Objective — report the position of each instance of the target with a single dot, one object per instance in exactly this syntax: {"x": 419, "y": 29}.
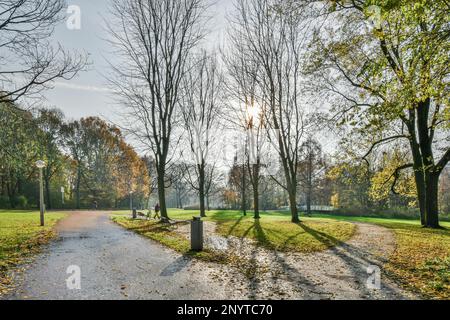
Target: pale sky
{"x": 87, "y": 94}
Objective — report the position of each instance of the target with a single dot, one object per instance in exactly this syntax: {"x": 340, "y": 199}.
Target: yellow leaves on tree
{"x": 384, "y": 181}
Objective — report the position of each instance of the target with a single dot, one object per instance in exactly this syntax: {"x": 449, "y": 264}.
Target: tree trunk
{"x": 201, "y": 189}
{"x": 162, "y": 193}
{"x": 428, "y": 166}
{"x": 308, "y": 200}
{"x": 309, "y": 186}
{"x": 78, "y": 187}
{"x": 177, "y": 195}
{"x": 432, "y": 206}
{"x": 421, "y": 194}
{"x": 256, "y": 203}
{"x": 291, "y": 183}
{"x": 255, "y": 180}
{"x": 244, "y": 198}
{"x": 417, "y": 166}
{"x": 293, "y": 205}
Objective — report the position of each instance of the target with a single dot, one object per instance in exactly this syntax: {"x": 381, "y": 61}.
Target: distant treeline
{"x": 88, "y": 158}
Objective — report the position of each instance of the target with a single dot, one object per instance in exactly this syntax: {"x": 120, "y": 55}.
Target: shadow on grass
{"x": 260, "y": 234}
{"x": 238, "y": 221}
{"x": 324, "y": 238}
{"x": 261, "y": 238}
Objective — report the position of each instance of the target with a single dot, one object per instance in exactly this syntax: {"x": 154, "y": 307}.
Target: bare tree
{"x": 238, "y": 178}
{"x": 201, "y": 103}
{"x": 154, "y": 40}
{"x": 28, "y": 63}
{"x": 274, "y": 35}
{"x": 245, "y": 115}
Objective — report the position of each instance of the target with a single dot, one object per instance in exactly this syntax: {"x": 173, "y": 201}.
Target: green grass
{"x": 21, "y": 236}
{"x": 421, "y": 260}
{"x": 275, "y": 231}
{"x": 309, "y": 236}
{"x": 380, "y": 221}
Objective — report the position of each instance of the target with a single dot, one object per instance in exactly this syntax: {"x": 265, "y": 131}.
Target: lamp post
{"x": 41, "y": 164}
{"x": 62, "y": 196}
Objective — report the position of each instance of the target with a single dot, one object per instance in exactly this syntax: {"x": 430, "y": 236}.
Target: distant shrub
{"x": 353, "y": 211}
{"x": 22, "y": 202}
{"x": 4, "y": 202}
{"x": 400, "y": 213}
{"x": 194, "y": 207}
{"x": 396, "y": 212}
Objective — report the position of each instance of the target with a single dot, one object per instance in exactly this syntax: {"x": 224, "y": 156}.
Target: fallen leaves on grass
{"x": 421, "y": 260}
{"x": 20, "y": 238}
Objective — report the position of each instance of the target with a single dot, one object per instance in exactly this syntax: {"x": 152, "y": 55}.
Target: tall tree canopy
{"x": 154, "y": 41}
{"x": 385, "y": 67}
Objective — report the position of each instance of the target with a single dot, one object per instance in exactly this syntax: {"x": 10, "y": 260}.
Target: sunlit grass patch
{"x": 308, "y": 236}
{"x": 275, "y": 230}
{"x": 272, "y": 231}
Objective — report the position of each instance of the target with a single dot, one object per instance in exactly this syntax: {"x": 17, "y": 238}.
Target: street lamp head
{"x": 40, "y": 164}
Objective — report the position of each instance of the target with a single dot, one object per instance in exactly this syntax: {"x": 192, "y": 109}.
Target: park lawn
{"x": 421, "y": 260}
{"x": 20, "y": 236}
{"x": 274, "y": 230}
{"x": 308, "y": 236}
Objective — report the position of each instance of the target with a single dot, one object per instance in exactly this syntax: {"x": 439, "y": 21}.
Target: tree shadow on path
{"x": 355, "y": 259}
{"x": 176, "y": 266}
{"x": 308, "y": 289}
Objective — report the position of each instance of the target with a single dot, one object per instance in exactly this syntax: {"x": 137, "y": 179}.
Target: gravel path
{"x": 119, "y": 264}
{"x": 115, "y": 264}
